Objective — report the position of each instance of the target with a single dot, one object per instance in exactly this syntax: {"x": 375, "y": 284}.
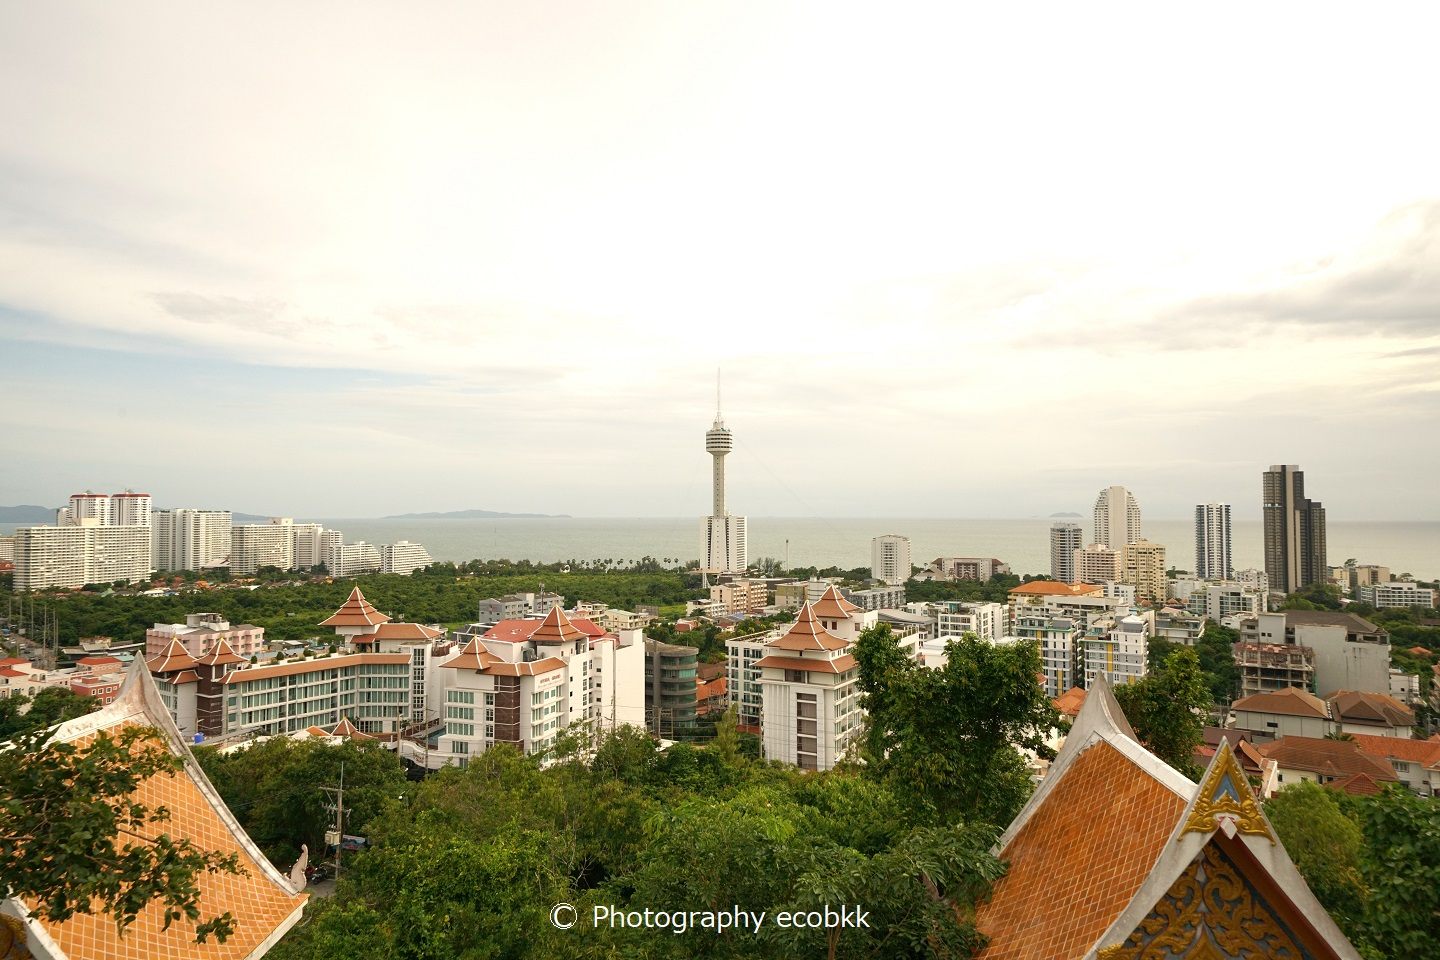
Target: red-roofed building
{"x": 103, "y": 687}
{"x": 1416, "y": 763}
{"x": 1323, "y": 761}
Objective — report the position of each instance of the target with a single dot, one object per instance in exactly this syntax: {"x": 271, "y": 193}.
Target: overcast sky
{"x": 355, "y": 259}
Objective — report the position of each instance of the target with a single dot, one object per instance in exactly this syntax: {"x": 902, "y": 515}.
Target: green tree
{"x": 949, "y": 736}
{"x": 51, "y": 706}
{"x": 74, "y": 839}
{"x": 1326, "y": 846}
{"x": 1401, "y": 868}
{"x": 1167, "y": 709}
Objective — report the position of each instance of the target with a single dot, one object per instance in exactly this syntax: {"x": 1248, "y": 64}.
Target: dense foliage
{"x": 1167, "y": 709}
{"x": 73, "y": 839}
{"x": 948, "y": 737}
{"x": 290, "y": 611}
{"x": 470, "y": 861}
{"x": 1372, "y": 862}
{"x": 21, "y": 714}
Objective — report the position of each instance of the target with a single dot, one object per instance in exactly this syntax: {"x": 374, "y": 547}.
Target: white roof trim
{"x": 1181, "y": 850}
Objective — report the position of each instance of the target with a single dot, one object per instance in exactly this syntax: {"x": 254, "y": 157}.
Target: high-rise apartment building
{"x": 1116, "y": 518}
{"x": 307, "y": 545}
{"x": 1065, "y": 538}
{"x": 187, "y": 539}
{"x": 351, "y": 559}
{"x": 100, "y": 538}
{"x": 722, "y": 536}
{"x": 1142, "y": 564}
{"x": 256, "y": 545}
{"x": 1294, "y": 531}
{"x": 1097, "y": 563}
{"x": 890, "y": 559}
{"x": 403, "y": 557}
{"x": 72, "y": 556}
{"x": 1212, "y": 541}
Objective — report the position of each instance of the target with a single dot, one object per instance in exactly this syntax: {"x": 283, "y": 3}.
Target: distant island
{"x": 477, "y": 515}
{"x": 27, "y": 513}
{"x": 1056, "y": 515}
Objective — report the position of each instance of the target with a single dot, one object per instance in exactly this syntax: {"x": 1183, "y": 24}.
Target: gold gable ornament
{"x": 13, "y": 938}
{"x": 1225, "y": 803}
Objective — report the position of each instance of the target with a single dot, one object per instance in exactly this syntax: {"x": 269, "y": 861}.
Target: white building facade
{"x": 1213, "y": 541}
{"x": 890, "y": 559}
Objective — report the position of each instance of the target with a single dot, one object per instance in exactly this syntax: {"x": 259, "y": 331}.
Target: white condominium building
{"x": 1059, "y": 639}
{"x": 1212, "y": 541}
{"x": 256, "y": 545}
{"x": 307, "y": 550}
{"x": 1118, "y": 651}
{"x": 890, "y": 559}
{"x": 73, "y": 556}
{"x": 808, "y": 681}
{"x": 128, "y": 509}
{"x": 742, "y": 676}
{"x": 1116, "y": 518}
{"x": 187, "y": 539}
{"x": 954, "y": 618}
{"x": 201, "y": 632}
{"x": 403, "y": 557}
{"x": 1065, "y": 539}
{"x": 1397, "y": 593}
{"x": 526, "y": 681}
{"x": 351, "y": 559}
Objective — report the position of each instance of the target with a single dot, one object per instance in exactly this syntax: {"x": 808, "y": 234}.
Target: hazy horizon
{"x": 978, "y": 262}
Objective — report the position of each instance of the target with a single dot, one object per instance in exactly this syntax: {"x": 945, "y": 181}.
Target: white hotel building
{"x": 101, "y": 538}
{"x": 525, "y": 681}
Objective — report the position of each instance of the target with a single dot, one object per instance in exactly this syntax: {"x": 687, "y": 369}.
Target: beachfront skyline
{"x": 487, "y": 259}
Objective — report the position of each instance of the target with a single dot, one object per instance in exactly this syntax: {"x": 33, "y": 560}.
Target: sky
{"x": 356, "y": 259}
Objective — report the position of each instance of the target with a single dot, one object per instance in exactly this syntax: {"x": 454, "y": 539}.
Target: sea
{"x": 1404, "y": 547}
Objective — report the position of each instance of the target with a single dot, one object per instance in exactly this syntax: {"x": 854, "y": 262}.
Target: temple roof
{"x": 832, "y": 605}
{"x": 472, "y": 656}
{"x": 1085, "y": 842}
{"x": 817, "y": 665}
{"x": 173, "y": 657}
{"x": 355, "y": 612}
{"x": 221, "y": 654}
{"x": 1289, "y": 702}
{"x": 263, "y": 901}
{"x": 557, "y": 628}
{"x": 807, "y": 634}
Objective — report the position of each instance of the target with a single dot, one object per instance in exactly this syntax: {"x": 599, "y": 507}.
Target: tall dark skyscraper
{"x": 1294, "y": 531}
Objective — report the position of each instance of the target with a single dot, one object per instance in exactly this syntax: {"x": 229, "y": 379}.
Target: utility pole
{"x": 337, "y": 835}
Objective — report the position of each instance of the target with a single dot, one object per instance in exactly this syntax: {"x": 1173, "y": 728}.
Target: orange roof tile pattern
{"x": 838, "y": 665}
{"x": 1357, "y": 706}
{"x": 533, "y": 668}
{"x": 1329, "y": 758}
{"x": 472, "y": 656}
{"x": 173, "y": 657}
{"x": 833, "y": 606}
{"x": 556, "y": 628}
{"x": 355, "y": 612}
{"x": 221, "y": 655}
{"x": 1290, "y": 702}
{"x": 1054, "y": 588}
{"x": 807, "y": 634}
{"x": 1070, "y": 702}
{"x": 1073, "y": 870}
{"x": 260, "y": 902}
{"x": 1424, "y": 752}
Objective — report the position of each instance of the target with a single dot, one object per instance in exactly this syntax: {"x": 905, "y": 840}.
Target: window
{"x": 794, "y": 676}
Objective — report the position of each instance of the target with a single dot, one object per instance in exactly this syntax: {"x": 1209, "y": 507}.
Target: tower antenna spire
{"x": 717, "y": 393}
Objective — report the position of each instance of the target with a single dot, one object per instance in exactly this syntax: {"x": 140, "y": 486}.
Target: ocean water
{"x": 1404, "y": 547}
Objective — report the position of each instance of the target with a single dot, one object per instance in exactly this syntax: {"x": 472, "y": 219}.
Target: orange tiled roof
{"x": 1358, "y": 785}
{"x": 1421, "y": 652}
{"x": 1079, "y": 859}
{"x": 556, "y": 628}
{"x": 401, "y": 631}
{"x": 184, "y": 676}
{"x": 807, "y": 634}
{"x": 1054, "y": 588}
{"x": 1424, "y": 752}
{"x": 710, "y": 689}
{"x": 1330, "y": 758}
{"x": 472, "y": 656}
{"x": 1357, "y": 706}
{"x": 347, "y": 729}
{"x": 532, "y": 668}
{"x": 1070, "y": 702}
{"x": 221, "y": 654}
{"x": 6, "y": 671}
{"x": 265, "y": 671}
{"x": 97, "y": 661}
{"x": 262, "y": 901}
{"x": 832, "y": 605}
{"x": 355, "y": 612}
{"x": 173, "y": 657}
{"x": 838, "y": 665}
{"x": 1290, "y": 702}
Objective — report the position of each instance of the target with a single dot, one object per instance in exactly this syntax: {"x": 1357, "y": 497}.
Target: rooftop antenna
{"x": 717, "y": 393}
